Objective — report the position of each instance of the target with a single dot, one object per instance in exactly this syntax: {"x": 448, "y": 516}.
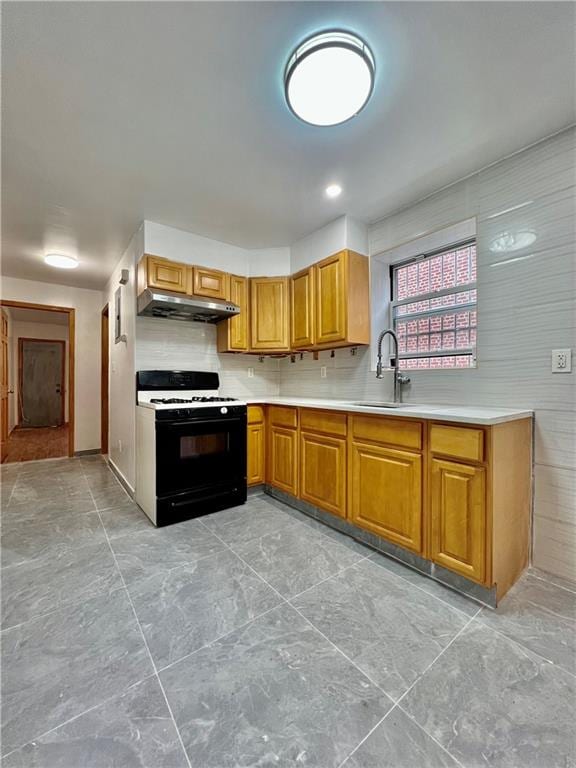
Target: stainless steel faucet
{"x": 399, "y": 378}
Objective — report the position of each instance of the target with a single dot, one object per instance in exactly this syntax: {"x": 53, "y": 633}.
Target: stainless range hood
{"x": 190, "y": 308}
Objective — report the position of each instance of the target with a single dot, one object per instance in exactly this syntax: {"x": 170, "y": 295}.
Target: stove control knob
{"x": 224, "y": 410}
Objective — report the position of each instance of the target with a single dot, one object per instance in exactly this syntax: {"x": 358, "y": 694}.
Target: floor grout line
{"x": 287, "y": 602}
{"x": 442, "y": 652}
{"x": 145, "y": 641}
{"x": 75, "y": 717}
{"x": 417, "y": 724}
{"x": 370, "y": 732}
{"x": 473, "y": 602}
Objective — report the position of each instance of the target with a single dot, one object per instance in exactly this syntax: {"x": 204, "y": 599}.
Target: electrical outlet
{"x": 119, "y": 446}
{"x": 250, "y": 373}
{"x": 561, "y": 361}
{"x": 323, "y": 372}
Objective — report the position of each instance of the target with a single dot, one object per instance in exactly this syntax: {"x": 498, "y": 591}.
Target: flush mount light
{"x": 333, "y": 190}
{"x": 61, "y": 261}
{"x": 329, "y": 78}
{"x": 512, "y": 241}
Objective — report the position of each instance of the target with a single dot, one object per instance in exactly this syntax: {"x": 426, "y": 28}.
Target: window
{"x": 434, "y": 308}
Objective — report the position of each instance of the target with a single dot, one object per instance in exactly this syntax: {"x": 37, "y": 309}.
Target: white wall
{"x": 20, "y": 329}
{"x": 344, "y": 232}
{"x": 122, "y": 371}
{"x": 526, "y": 308}
{"x": 88, "y": 305}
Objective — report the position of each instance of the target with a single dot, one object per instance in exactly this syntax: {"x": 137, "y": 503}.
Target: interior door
{"x": 4, "y": 385}
{"x": 41, "y": 383}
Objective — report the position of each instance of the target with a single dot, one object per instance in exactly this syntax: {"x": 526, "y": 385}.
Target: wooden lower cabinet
{"x": 458, "y": 517}
{"x": 323, "y": 472}
{"x": 283, "y": 459}
{"x": 386, "y": 493}
{"x": 256, "y": 472}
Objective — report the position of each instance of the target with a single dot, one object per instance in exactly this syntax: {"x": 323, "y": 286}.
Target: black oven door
{"x": 201, "y": 456}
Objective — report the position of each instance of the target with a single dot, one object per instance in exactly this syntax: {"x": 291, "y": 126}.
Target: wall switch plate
{"x": 250, "y": 373}
{"x": 561, "y": 361}
{"x": 322, "y": 371}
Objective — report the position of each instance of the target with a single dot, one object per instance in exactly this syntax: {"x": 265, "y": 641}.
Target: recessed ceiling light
{"x": 329, "y": 78}
{"x": 512, "y": 241}
{"x": 333, "y": 190}
{"x": 61, "y": 261}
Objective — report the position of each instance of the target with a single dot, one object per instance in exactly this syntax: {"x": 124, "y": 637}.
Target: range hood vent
{"x": 187, "y": 308}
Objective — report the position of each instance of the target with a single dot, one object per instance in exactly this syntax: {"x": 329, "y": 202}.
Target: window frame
{"x": 394, "y": 303}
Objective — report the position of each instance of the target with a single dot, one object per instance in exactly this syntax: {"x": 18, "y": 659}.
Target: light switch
{"x": 323, "y": 372}
{"x": 561, "y": 361}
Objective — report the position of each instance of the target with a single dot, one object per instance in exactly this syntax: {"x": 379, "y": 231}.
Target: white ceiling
{"x": 174, "y": 112}
{"x": 19, "y": 315}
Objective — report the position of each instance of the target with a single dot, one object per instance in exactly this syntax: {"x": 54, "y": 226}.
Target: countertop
{"x": 466, "y": 414}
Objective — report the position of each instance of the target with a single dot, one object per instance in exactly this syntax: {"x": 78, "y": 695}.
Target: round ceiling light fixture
{"x": 329, "y": 78}
{"x": 333, "y": 190}
{"x": 61, "y": 261}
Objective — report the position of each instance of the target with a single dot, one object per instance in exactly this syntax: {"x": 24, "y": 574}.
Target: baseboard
{"x": 89, "y": 452}
{"x": 121, "y": 479}
{"x": 434, "y": 572}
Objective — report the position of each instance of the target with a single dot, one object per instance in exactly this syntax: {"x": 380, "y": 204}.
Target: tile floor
{"x": 258, "y": 637}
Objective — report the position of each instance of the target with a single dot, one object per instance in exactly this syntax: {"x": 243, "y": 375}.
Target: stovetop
{"x": 179, "y": 400}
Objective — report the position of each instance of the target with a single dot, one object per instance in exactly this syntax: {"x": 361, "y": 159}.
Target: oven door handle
{"x": 200, "y": 422}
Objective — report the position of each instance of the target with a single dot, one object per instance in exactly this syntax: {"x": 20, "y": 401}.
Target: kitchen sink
{"x": 367, "y": 404}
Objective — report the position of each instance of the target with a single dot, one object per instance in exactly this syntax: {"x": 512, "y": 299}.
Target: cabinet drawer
{"x": 460, "y": 442}
{"x": 283, "y": 417}
{"x": 255, "y": 414}
{"x": 377, "y": 429}
{"x": 210, "y": 283}
{"x": 323, "y": 422}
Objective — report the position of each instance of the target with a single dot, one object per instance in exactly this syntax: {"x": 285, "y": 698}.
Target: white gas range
{"x": 190, "y": 446}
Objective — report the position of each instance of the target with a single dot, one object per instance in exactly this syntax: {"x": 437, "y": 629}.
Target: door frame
{"x": 71, "y": 312}
{"x": 104, "y": 377}
{"x": 21, "y": 340}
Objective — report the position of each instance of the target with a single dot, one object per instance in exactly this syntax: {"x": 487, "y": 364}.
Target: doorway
{"x": 37, "y": 381}
{"x": 104, "y": 357}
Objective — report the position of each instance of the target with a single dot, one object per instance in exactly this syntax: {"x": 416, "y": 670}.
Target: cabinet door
{"x": 269, "y": 313}
{"x": 283, "y": 461}
{"x": 256, "y": 454}
{"x": 210, "y": 283}
{"x": 302, "y": 314}
{"x": 232, "y": 334}
{"x": 386, "y": 493}
{"x": 331, "y": 299}
{"x": 458, "y": 512}
{"x": 323, "y": 472}
{"x": 166, "y": 275}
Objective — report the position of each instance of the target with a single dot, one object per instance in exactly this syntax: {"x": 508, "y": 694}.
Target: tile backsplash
{"x": 177, "y": 345}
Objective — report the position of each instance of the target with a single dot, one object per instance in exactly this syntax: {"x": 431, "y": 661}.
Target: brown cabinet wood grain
{"x": 165, "y": 275}
{"x": 256, "y": 454}
{"x": 458, "y": 517}
{"x": 270, "y": 312}
{"x": 386, "y": 493}
{"x": 283, "y": 459}
{"x": 342, "y": 300}
{"x": 302, "y": 309}
{"x": 211, "y": 283}
{"x": 323, "y": 472}
{"x": 233, "y": 334}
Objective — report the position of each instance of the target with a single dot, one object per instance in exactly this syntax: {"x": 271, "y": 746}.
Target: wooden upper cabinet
{"x": 302, "y": 309}
{"x": 232, "y": 334}
{"x": 458, "y": 518}
{"x": 386, "y": 493}
{"x": 342, "y": 300}
{"x": 211, "y": 283}
{"x": 269, "y": 314}
{"x": 163, "y": 274}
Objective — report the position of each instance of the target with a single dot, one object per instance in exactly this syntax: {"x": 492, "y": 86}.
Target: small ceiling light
{"x": 512, "y": 241}
{"x": 329, "y": 78}
{"x": 61, "y": 261}
{"x": 333, "y": 190}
